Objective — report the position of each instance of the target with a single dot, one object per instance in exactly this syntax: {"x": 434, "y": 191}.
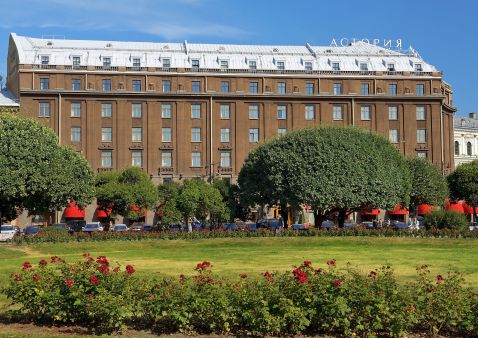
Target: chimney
{"x": 472, "y": 115}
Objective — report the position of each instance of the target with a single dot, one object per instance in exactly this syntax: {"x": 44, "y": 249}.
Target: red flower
{"x": 26, "y": 266}
{"x": 210, "y": 280}
{"x": 440, "y": 279}
{"x": 18, "y": 278}
{"x": 130, "y": 270}
{"x": 300, "y": 275}
{"x": 43, "y": 262}
{"x": 268, "y": 276}
{"x": 317, "y": 271}
{"x": 203, "y": 266}
{"x": 337, "y": 283}
{"x": 94, "y": 280}
{"x": 104, "y": 269}
{"x": 36, "y": 277}
{"x": 243, "y": 275}
{"x": 372, "y": 274}
{"x": 69, "y": 282}
{"x": 307, "y": 263}
{"x": 102, "y": 260}
{"x": 117, "y": 269}
{"x": 54, "y": 259}
{"x": 89, "y": 296}
{"x": 332, "y": 262}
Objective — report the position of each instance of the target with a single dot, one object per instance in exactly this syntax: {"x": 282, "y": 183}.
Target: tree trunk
{"x": 285, "y": 217}
{"x": 472, "y": 223}
{"x": 341, "y": 218}
{"x": 318, "y": 219}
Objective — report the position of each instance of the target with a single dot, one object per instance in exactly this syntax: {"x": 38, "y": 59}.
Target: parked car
{"x": 93, "y": 227}
{"x": 368, "y": 225}
{"x": 328, "y": 225}
{"x": 7, "y": 232}
{"x": 148, "y": 227}
{"x": 230, "y": 226}
{"x": 60, "y": 225}
{"x": 75, "y": 226}
{"x": 175, "y": 227}
{"x": 267, "y": 223}
{"x": 350, "y": 225}
{"x": 31, "y": 230}
{"x": 137, "y": 227}
{"x": 399, "y": 225}
{"x": 298, "y": 227}
{"x": 119, "y": 228}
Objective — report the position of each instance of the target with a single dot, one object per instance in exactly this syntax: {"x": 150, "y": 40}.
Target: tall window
{"x": 393, "y": 135}
{"x": 281, "y": 88}
{"x": 281, "y": 112}
{"x": 136, "y": 134}
{"x": 253, "y": 112}
{"x": 457, "y": 148}
{"x": 44, "y": 83}
{"x": 253, "y": 87}
{"x": 195, "y": 134}
{"x": 225, "y": 112}
{"x": 166, "y": 111}
{"x": 106, "y": 109}
{"x": 337, "y": 113}
{"x": 309, "y": 88}
{"x": 393, "y": 113}
{"x": 420, "y": 89}
{"x": 392, "y": 89}
{"x": 195, "y": 159}
{"x": 75, "y": 84}
{"x": 166, "y": 86}
{"x": 280, "y": 65}
{"x": 136, "y": 63}
{"x": 166, "y": 63}
{"x": 364, "y": 89}
{"x": 136, "y": 110}
{"x": 335, "y": 66}
{"x": 137, "y": 159}
{"x": 45, "y": 60}
{"x": 166, "y": 135}
{"x": 225, "y": 159}
{"x": 309, "y": 112}
{"x": 253, "y": 135}
{"x": 421, "y": 135}
{"x": 420, "y": 112}
{"x": 136, "y": 85}
{"x": 195, "y": 111}
{"x": 166, "y": 159}
{"x": 224, "y": 86}
{"x": 252, "y": 64}
{"x": 365, "y": 113}
{"x": 195, "y": 64}
{"x": 75, "y": 134}
{"x": 196, "y": 86}
{"x": 337, "y": 88}
{"x": 44, "y": 109}
{"x": 106, "y": 159}
{"x": 106, "y": 134}
{"x": 106, "y": 62}
{"x": 75, "y": 109}
{"x": 281, "y": 131}
{"x": 469, "y": 149}
{"x": 225, "y": 135}
{"x": 106, "y": 85}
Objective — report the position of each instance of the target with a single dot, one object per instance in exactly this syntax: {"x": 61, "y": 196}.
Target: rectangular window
{"x": 195, "y": 134}
{"x": 196, "y": 159}
{"x": 166, "y": 135}
{"x": 44, "y": 83}
{"x": 253, "y": 135}
{"x": 107, "y": 62}
{"x": 364, "y": 89}
{"x": 106, "y": 109}
{"x": 136, "y": 110}
{"x": 281, "y": 88}
{"x": 308, "y": 66}
{"x": 253, "y": 87}
{"x": 392, "y": 89}
{"x": 422, "y": 154}
{"x": 224, "y": 86}
{"x": 391, "y": 67}
{"x": 166, "y": 159}
{"x": 166, "y": 111}
{"x": 195, "y": 64}
{"x": 195, "y": 111}
{"x": 75, "y": 134}
{"x": 137, "y": 159}
{"x": 281, "y": 112}
{"x": 224, "y": 64}
{"x": 225, "y": 112}
{"x": 337, "y": 88}
{"x": 363, "y": 67}
{"x": 136, "y": 63}
{"x": 106, "y": 85}
{"x": 136, "y": 134}
{"x": 421, "y": 135}
{"x": 309, "y": 112}
{"x": 281, "y": 131}
{"x": 225, "y": 159}
{"x": 44, "y": 109}
{"x": 106, "y": 157}
{"x": 136, "y": 85}
{"x": 106, "y": 134}
{"x": 75, "y": 84}
{"x": 196, "y": 86}
{"x": 280, "y": 65}
{"x": 75, "y": 109}
{"x": 45, "y": 60}
{"x": 225, "y": 134}
{"x": 252, "y": 64}
{"x": 253, "y": 112}
{"x": 337, "y": 113}
{"x": 365, "y": 113}
{"x": 335, "y": 66}
{"x": 393, "y": 113}
{"x": 166, "y": 86}
{"x": 418, "y": 67}
{"x": 420, "y": 89}
{"x": 309, "y": 88}
{"x": 393, "y": 135}
{"x": 420, "y": 112}
{"x": 166, "y": 63}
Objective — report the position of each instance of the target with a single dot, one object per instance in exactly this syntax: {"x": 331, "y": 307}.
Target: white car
{"x": 120, "y": 228}
{"x": 7, "y": 232}
{"x": 92, "y": 227}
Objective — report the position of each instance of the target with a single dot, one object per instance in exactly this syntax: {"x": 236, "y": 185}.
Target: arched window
{"x": 468, "y": 148}
{"x": 457, "y": 148}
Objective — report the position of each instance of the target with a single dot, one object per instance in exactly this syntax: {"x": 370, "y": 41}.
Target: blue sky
{"x": 443, "y": 32}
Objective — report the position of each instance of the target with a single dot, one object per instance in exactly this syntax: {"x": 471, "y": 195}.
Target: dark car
{"x": 299, "y": 226}
{"x": 148, "y": 227}
{"x": 175, "y": 227}
{"x": 400, "y": 225}
{"x": 31, "y": 230}
{"x": 328, "y": 225}
{"x": 267, "y": 223}
{"x": 230, "y": 226}
{"x": 92, "y": 227}
{"x": 75, "y": 226}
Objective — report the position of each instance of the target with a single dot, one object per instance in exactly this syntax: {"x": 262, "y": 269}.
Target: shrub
{"x": 446, "y": 219}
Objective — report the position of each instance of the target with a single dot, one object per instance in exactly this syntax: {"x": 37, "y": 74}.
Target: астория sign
{"x": 385, "y": 43}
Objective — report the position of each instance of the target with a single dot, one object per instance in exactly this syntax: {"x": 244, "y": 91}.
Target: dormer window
{"x": 418, "y": 67}
{"x": 166, "y": 63}
{"x": 252, "y": 64}
{"x": 363, "y": 67}
{"x": 106, "y": 62}
{"x": 224, "y": 64}
{"x": 280, "y": 65}
{"x": 76, "y": 61}
{"x": 195, "y": 64}
{"x": 335, "y": 66}
{"x": 136, "y": 62}
{"x": 45, "y": 60}
{"x": 390, "y": 67}
{"x": 308, "y": 66}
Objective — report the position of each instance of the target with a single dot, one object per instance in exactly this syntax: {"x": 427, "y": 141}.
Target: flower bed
{"x": 308, "y": 299}
{"x": 52, "y": 237}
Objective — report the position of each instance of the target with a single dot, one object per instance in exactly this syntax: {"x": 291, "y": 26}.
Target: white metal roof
{"x": 7, "y": 99}
{"x": 151, "y": 54}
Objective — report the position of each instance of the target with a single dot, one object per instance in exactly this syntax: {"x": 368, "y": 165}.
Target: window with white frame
{"x": 308, "y": 66}
{"x": 422, "y": 154}
{"x": 337, "y": 113}
{"x": 196, "y": 86}
{"x": 281, "y": 112}
{"x": 337, "y": 88}
{"x": 225, "y": 111}
{"x": 421, "y": 135}
{"x": 45, "y": 60}
{"x": 335, "y": 66}
{"x": 136, "y": 110}
{"x": 281, "y": 88}
{"x": 76, "y": 61}
{"x": 136, "y": 134}
{"x": 166, "y": 134}
{"x": 252, "y": 64}
{"x": 225, "y": 135}
{"x": 392, "y": 113}
{"x": 195, "y": 134}
{"x": 364, "y": 89}
{"x": 418, "y": 67}
{"x": 166, "y": 86}
{"x": 225, "y": 159}
{"x": 224, "y": 86}
{"x": 363, "y": 67}
{"x": 166, "y": 111}
{"x": 195, "y": 64}
{"x": 309, "y": 88}
{"x": 166, "y": 62}
{"x": 393, "y": 135}
{"x": 75, "y": 84}
{"x": 195, "y": 111}
{"x": 137, "y": 159}
{"x": 75, "y": 134}
{"x": 166, "y": 159}
{"x": 420, "y": 89}
{"x": 106, "y": 159}
{"x": 390, "y": 67}
{"x": 196, "y": 159}
{"x": 281, "y": 131}
{"x": 44, "y": 109}
{"x": 44, "y": 83}
{"x": 224, "y": 64}
{"x": 253, "y": 112}
{"x": 253, "y": 87}
{"x": 392, "y": 89}
{"x": 106, "y": 134}
{"x": 309, "y": 112}
{"x": 106, "y": 62}
{"x": 253, "y": 135}
{"x": 136, "y": 85}
{"x": 136, "y": 62}
{"x": 106, "y": 85}
{"x": 365, "y": 113}
{"x": 421, "y": 113}
{"x": 280, "y": 65}
{"x": 106, "y": 108}
{"x": 75, "y": 109}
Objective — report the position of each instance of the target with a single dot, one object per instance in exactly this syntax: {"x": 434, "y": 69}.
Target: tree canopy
{"x": 463, "y": 184}
{"x": 37, "y": 173}
{"x": 328, "y": 168}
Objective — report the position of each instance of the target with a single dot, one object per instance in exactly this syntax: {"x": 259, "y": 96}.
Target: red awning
{"x": 370, "y": 212}
{"x": 73, "y": 211}
{"x": 398, "y": 210}
{"x": 425, "y": 209}
{"x": 103, "y": 213}
{"x": 468, "y": 208}
{"x": 457, "y": 206}
{"x": 138, "y": 210}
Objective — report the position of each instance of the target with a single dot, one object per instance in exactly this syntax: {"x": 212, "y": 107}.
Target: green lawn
{"x": 232, "y": 256}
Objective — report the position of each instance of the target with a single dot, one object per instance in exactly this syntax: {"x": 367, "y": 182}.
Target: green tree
{"x": 328, "y": 168}
{"x": 37, "y": 173}
{"x": 428, "y": 184}
{"x": 230, "y": 195}
{"x": 463, "y": 184}
{"x": 125, "y": 190}
{"x": 168, "y": 203}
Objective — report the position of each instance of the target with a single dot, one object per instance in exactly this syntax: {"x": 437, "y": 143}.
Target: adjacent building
{"x": 8, "y": 102}
{"x": 466, "y": 138}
